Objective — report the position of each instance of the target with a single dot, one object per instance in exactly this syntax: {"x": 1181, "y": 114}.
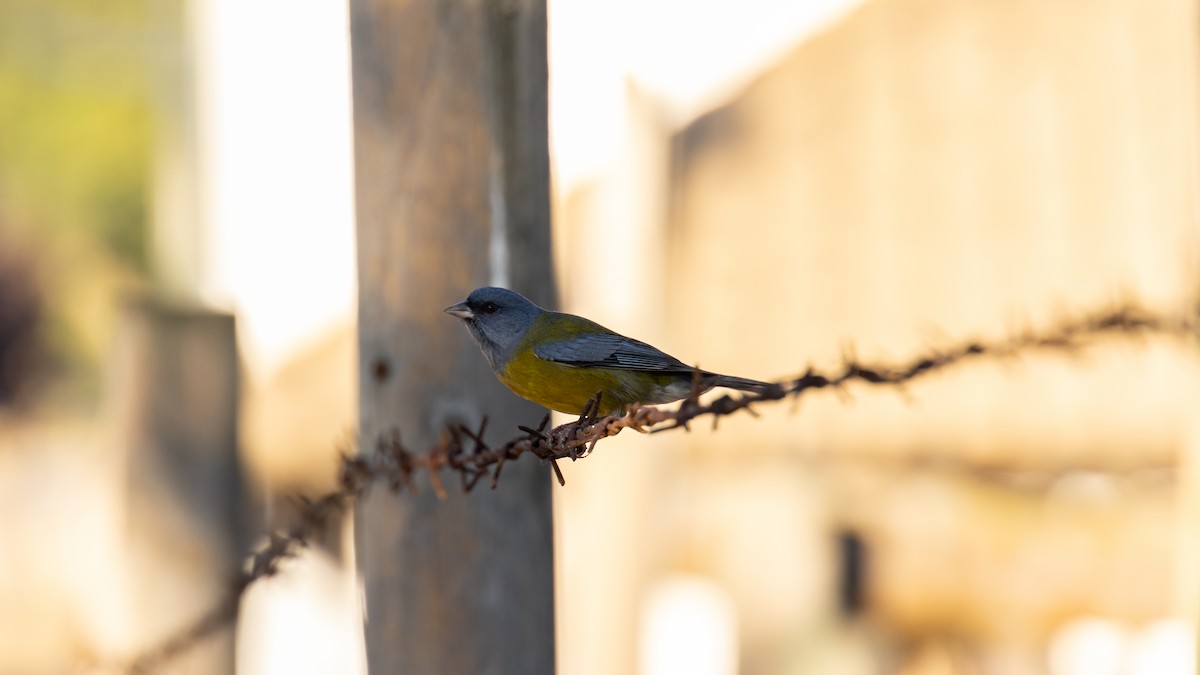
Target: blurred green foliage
{"x": 75, "y": 152}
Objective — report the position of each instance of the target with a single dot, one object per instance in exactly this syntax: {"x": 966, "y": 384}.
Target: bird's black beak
{"x": 461, "y": 311}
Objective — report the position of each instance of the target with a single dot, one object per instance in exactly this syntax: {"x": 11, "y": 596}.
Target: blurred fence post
{"x": 174, "y": 395}
{"x": 452, "y": 172}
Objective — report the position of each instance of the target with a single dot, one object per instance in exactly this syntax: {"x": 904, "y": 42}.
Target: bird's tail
{"x": 740, "y": 383}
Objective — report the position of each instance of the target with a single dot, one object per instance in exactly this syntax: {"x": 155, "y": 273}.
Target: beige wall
{"x": 925, "y": 171}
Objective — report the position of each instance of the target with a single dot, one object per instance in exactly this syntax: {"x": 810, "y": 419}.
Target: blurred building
{"x": 922, "y": 172}
{"x": 153, "y": 187}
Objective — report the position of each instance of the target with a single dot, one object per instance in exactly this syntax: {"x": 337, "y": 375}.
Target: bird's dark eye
{"x": 489, "y": 308}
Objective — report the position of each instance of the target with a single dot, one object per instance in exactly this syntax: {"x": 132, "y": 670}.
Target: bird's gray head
{"x": 497, "y": 319}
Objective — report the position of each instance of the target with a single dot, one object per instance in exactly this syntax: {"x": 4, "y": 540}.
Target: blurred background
{"x": 770, "y": 186}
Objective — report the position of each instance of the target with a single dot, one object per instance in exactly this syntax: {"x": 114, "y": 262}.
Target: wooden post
{"x": 452, "y": 174}
{"x": 174, "y": 394}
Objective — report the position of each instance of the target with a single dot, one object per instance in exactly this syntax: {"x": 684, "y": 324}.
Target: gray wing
{"x": 609, "y": 350}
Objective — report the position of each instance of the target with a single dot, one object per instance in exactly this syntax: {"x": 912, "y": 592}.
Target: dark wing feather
{"x": 609, "y": 350}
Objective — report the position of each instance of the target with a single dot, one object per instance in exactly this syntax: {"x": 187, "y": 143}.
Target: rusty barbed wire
{"x": 464, "y": 451}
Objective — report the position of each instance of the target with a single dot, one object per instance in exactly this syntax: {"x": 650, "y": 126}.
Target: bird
{"x": 562, "y": 361}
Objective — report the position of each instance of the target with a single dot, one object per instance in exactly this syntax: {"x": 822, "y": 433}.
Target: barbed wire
{"x": 463, "y": 451}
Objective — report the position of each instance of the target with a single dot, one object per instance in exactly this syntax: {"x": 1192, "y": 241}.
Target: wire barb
{"x": 392, "y": 464}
